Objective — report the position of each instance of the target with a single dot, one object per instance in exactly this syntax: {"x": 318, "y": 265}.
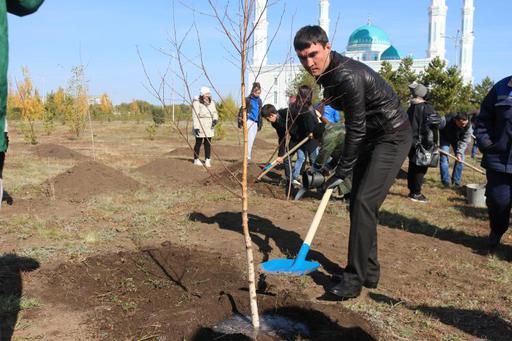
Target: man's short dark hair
{"x": 461, "y": 116}
{"x": 267, "y": 110}
{"x": 309, "y": 35}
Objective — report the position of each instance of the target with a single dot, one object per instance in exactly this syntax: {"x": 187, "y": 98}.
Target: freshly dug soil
{"x": 174, "y": 171}
{"x": 268, "y": 187}
{"x": 57, "y": 151}
{"x": 176, "y": 293}
{"x": 88, "y": 179}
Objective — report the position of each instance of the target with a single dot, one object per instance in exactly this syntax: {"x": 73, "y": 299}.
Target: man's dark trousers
{"x": 415, "y": 176}
{"x": 373, "y": 175}
{"x": 498, "y": 194}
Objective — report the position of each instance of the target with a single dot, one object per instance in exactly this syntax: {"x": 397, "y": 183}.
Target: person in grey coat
{"x": 204, "y": 117}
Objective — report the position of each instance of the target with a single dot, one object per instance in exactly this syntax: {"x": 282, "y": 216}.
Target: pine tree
{"x": 481, "y": 90}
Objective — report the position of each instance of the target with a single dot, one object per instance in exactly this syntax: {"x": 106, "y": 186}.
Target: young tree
{"x": 76, "y": 117}
{"x": 228, "y": 110}
{"x": 30, "y": 106}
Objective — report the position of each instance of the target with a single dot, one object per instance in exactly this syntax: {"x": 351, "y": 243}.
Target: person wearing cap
{"x": 423, "y": 119}
{"x": 377, "y": 140}
{"x": 254, "y": 121}
{"x": 455, "y": 131}
{"x": 493, "y": 132}
{"x": 204, "y": 117}
{"x": 19, "y": 8}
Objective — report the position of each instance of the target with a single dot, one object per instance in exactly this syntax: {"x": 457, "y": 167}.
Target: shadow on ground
{"x": 476, "y": 243}
{"x": 11, "y": 290}
{"x": 474, "y": 322}
{"x": 262, "y": 231}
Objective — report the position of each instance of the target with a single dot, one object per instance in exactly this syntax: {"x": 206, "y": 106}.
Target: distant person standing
{"x": 494, "y": 137}
{"x": 424, "y": 132}
{"x": 254, "y": 121}
{"x": 19, "y": 8}
{"x": 205, "y": 117}
{"x": 455, "y": 131}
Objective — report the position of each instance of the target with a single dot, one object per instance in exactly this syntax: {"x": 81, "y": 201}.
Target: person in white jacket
{"x": 205, "y": 117}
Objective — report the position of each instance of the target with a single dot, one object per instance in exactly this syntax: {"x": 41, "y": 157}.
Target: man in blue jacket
{"x": 493, "y": 132}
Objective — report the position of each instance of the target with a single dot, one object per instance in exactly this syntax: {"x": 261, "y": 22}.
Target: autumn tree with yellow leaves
{"x": 27, "y": 102}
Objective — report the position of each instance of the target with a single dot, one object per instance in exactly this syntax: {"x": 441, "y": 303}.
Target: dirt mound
{"x": 87, "y": 179}
{"x": 178, "y": 293}
{"x": 174, "y": 171}
{"x": 57, "y": 151}
{"x": 268, "y": 187}
{"x": 226, "y": 153}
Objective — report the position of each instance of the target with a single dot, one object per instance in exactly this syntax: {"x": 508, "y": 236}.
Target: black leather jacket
{"x": 370, "y": 105}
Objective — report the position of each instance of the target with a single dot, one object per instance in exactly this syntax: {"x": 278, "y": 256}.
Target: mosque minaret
{"x": 437, "y": 29}
{"x": 367, "y": 43}
{"x": 466, "y": 44}
{"x": 323, "y": 21}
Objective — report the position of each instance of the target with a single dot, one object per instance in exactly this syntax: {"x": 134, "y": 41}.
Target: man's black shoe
{"x": 493, "y": 240}
{"x": 367, "y": 284}
{"x": 348, "y": 287}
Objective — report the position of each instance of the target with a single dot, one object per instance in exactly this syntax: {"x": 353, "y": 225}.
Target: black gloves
{"x": 214, "y": 123}
{"x": 196, "y": 132}
{"x": 6, "y": 139}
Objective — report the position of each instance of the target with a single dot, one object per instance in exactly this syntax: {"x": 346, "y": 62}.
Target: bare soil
{"x": 169, "y": 264}
{"x": 57, "y": 151}
{"x": 87, "y": 179}
{"x": 172, "y": 282}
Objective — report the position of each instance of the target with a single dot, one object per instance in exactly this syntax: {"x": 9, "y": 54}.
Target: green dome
{"x": 391, "y": 53}
{"x": 368, "y": 34}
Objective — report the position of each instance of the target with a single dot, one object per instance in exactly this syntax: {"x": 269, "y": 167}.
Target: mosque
{"x": 368, "y": 44}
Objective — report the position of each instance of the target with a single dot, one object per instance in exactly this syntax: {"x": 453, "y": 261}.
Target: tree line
{"x": 72, "y": 106}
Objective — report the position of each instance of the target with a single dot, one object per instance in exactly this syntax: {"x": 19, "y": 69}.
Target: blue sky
{"x": 105, "y": 36}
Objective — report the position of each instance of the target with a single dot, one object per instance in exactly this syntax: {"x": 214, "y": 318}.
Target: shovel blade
{"x": 290, "y": 267}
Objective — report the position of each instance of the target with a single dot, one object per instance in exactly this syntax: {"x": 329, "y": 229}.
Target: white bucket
{"x": 475, "y": 195}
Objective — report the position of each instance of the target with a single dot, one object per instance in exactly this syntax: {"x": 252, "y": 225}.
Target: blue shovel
{"x": 300, "y": 266}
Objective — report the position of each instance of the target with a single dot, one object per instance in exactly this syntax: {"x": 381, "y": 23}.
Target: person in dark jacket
{"x": 423, "y": 118}
{"x": 19, "y": 8}
{"x": 254, "y": 121}
{"x": 378, "y": 138}
{"x": 494, "y": 137}
{"x": 279, "y": 119}
{"x": 455, "y": 131}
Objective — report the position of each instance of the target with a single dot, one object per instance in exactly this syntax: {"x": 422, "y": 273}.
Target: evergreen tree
{"x": 445, "y": 85}
{"x": 304, "y": 78}
{"x": 481, "y": 90}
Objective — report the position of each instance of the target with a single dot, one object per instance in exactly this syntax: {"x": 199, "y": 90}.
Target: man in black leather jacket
{"x": 378, "y": 138}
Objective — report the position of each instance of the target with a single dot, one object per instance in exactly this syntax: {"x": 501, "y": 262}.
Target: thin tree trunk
{"x": 245, "y": 201}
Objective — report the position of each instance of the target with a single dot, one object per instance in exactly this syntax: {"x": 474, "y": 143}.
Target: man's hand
{"x": 459, "y": 157}
{"x": 279, "y": 160}
{"x": 333, "y": 182}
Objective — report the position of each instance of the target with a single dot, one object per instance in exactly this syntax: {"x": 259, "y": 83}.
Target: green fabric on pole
{"x": 19, "y": 8}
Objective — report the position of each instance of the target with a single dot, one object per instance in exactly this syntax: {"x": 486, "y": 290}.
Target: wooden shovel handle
{"x": 463, "y": 162}
{"x": 274, "y": 163}
{"x": 318, "y": 216}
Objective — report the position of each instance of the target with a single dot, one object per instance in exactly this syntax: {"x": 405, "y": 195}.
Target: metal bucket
{"x": 312, "y": 180}
{"x": 475, "y": 195}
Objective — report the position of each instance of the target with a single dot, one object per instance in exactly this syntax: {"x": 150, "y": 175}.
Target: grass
{"x": 13, "y": 304}
{"x": 458, "y": 282}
